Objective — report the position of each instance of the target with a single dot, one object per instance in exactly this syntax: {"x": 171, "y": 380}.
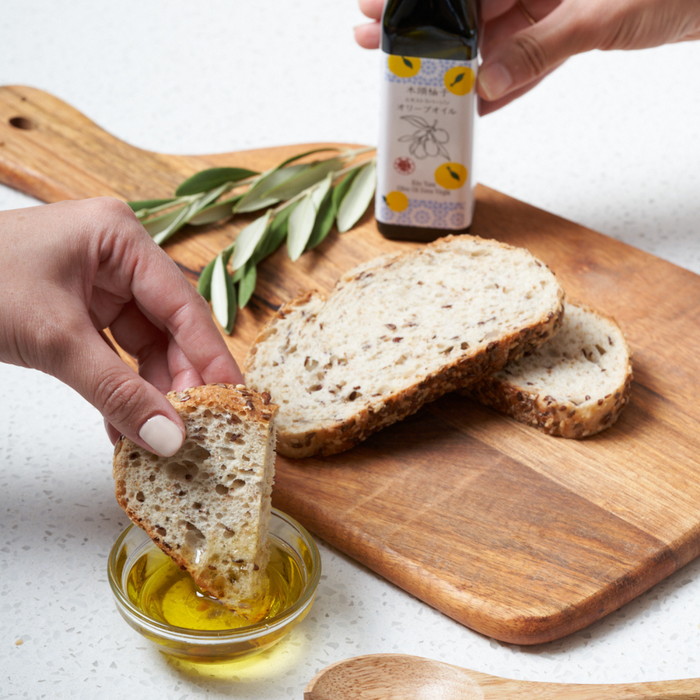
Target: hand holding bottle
{"x": 71, "y": 270}
{"x": 525, "y": 40}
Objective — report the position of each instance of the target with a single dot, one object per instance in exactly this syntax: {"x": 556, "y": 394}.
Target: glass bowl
{"x": 211, "y": 646}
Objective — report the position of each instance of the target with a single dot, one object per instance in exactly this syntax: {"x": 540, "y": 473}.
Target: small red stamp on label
{"x": 404, "y": 166}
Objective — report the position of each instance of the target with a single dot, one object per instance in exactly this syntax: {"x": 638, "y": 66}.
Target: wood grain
{"x": 520, "y": 536}
{"x": 402, "y": 677}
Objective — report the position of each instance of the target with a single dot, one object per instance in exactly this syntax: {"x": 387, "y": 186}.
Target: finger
{"x": 183, "y": 374}
{"x": 500, "y": 29}
{"x": 164, "y": 295}
{"x": 372, "y": 8}
{"x": 490, "y": 9}
{"x": 112, "y": 433}
{"x": 148, "y": 345}
{"x": 485, "y": 107}
{"x": 529, "y": 55}
{"x": 130, "y": 404}
{"x": 368, "y": 36}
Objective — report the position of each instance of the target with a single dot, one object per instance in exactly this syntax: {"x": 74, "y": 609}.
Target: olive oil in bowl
{"x": 163, "y": 604}
{"x": 162, "y": 591}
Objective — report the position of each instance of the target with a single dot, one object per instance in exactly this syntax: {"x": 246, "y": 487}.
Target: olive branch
{"x": 302, "y": 201}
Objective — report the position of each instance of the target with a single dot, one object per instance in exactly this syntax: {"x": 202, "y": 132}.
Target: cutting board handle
{"x": 51, "y": 151}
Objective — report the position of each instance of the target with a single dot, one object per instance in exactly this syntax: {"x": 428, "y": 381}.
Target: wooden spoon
{"x": 402, "y": 677}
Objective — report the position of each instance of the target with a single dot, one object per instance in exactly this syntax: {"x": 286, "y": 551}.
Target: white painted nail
{"x": 161, "y": 435}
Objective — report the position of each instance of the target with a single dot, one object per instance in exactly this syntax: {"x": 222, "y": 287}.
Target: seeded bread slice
{"x": 396, "y": 332}
{"x": 574, "y": 385}
{"x": 208, "y": 506}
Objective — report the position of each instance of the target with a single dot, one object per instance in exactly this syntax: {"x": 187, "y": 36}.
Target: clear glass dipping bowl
{"x": 205, "y": 646}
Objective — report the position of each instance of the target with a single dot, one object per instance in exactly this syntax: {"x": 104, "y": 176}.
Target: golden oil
{"x": 162, "y": 591}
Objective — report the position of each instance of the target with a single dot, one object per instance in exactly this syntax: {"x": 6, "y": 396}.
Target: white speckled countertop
{"x": 610, "y": 141}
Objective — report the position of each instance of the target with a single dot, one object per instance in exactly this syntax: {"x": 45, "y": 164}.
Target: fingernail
{"x": 161, "y": 435}
{"x": 494, "y": 80}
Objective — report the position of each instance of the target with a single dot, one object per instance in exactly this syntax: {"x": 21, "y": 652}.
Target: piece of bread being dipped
{"x": 208, "y": 506}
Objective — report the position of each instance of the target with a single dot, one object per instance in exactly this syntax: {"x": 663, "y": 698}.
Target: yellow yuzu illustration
{"x": 404, "y": 66}
{"x": 396, "y": 201}
{"x": 459, "y": 80}
{"x": 451, "y": 176}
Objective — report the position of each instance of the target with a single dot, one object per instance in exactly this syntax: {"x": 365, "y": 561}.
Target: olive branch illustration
{"x": 427, "y": 141}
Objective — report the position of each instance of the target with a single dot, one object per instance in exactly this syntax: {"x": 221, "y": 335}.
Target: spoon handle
{"x": 503, "y": 689}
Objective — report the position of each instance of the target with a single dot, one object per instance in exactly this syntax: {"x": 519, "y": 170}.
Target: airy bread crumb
{"x": 208, "y": 506}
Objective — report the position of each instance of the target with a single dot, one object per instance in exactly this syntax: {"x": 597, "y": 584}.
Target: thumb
{"x": 525, "y": 57}
{"x": 128, "y": 403}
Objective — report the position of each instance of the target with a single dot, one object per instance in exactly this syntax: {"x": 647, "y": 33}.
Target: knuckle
{"x": 119, "y": 398}
{"x": 112, "y": 207}
{"x": 535, "y": 61}
{"x": 48, "y": 346}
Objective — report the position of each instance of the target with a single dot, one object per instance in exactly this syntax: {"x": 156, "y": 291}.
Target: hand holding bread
{"x": 72, "y": 270}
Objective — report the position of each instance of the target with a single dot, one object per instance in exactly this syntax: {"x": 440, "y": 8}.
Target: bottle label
{"x": 424, "y": 153}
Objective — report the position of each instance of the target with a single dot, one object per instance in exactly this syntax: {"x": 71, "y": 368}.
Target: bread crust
{"x": 559, "y": 417}
{"x": 467, "y": 368}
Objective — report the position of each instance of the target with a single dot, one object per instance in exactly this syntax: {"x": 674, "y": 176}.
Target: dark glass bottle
{"x": 425, "y": 188}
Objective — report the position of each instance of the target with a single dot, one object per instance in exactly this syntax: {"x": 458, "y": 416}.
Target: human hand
{"x": 368, "y": 36}
{"x": 71, "y": 270}
{"x": 523, "y": 41}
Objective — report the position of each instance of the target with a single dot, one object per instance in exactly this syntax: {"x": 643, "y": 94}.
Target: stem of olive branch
{"x": 188, "y": 199}
{"x": 348, "y": 168}
{"x": 143, "y": 213}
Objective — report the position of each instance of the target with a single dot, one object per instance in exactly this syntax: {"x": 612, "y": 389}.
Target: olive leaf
{"x": 213, "y": 177}
{"x": 301, "y": 223}
{"x": 303, "y": 218}
{"x": 275, "y": 235}
{"x": 223, "y": 295}
{"x": 248, "y": 239}
{"x": 258, "y": 196}
{"x": 340, "y": 190}
{"x": 148, "y": 204}
{"x": 357, "y": 198}
{"x": 324, "y": 221}
{"x": 162, "y": 227}
{"x": 246, "y": 286}
{"x": 308, "y": 178}
{"x": 298, "y": 156}
{"x": 162, "y": 232}
{"x": 215, "y": 212}
{"x": 204, "y": 282}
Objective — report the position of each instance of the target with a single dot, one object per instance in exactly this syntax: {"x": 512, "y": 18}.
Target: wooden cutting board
{"x": 520, "y": 536}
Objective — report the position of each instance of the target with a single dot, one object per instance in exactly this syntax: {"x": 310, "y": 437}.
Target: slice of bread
{"x": 396, "y": 332}
{"x": 574, "y": 385}
{"x": 208, "y": 506}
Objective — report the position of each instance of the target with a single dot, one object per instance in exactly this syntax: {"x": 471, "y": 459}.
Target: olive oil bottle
{"x": 424, "y": 154}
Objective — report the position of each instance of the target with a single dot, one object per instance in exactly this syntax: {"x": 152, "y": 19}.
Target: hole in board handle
{"x": 21, "y": 123}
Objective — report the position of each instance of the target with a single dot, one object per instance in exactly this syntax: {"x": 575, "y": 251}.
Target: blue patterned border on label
{"x": 426, "y": 214}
